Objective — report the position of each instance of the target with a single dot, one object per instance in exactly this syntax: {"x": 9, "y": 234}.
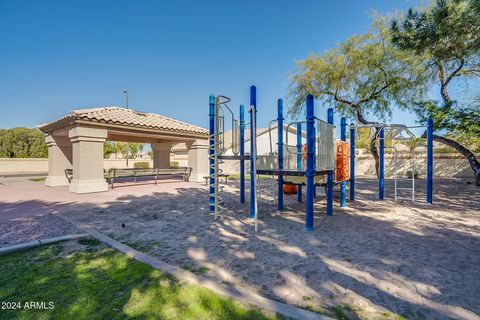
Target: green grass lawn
{"x": 87, "y": 280}
{"x": 37, "y": 179}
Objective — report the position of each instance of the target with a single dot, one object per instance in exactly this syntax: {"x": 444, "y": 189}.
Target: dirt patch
{"x": 25, "y": 229}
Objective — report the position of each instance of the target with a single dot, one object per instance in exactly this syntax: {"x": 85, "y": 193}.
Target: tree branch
{"x": 467, "y": 71}
{"x": 445, "y": 81}
{"x": 342, "y": 100}
{"x": 454, "y": 72}
{"x": 375, "y": 92}
{"x": 469, "y": 155}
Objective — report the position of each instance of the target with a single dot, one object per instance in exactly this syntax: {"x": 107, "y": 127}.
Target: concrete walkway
{"x": 20, "y": 197}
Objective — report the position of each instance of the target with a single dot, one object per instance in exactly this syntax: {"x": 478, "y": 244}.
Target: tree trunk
{"x": 472, "y": 160}
{"x": 373, "y": 142}
{"x": 374, "y": 152}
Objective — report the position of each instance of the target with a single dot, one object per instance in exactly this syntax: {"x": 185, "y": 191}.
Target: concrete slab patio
{"x": 379, "y": 258}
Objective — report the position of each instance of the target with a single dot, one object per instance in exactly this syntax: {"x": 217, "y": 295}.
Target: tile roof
{"x": 128, "y": 117}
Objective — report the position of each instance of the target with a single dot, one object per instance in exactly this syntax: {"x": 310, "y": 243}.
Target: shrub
{"x": 174, "y": 164}
{"x": 141, "y": 165}
{"x": 409, "y": 174}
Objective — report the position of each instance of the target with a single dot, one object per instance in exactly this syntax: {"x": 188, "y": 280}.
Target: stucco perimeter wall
{"x": 30, "y": 165}
{"x": 447, "y": 165}
{"x": 120, "y": 163}
{"x": 444, "y": 166}
{"x": 24, "y": 165}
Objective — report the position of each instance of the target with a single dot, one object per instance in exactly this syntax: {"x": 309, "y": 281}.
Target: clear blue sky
{"x": 56, "y": 56}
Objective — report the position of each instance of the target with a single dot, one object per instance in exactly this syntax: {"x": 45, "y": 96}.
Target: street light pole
{"x": 126, "y": 145}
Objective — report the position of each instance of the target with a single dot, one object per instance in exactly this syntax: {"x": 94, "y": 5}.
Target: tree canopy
{"x": 117, "y": 146}
{"x": 446, "y": 35}
{"x": 446, "y": 38}
{"x": 364, "y": 74}
{"x": 396, "y": 64}
{"x": 22, "y": 143}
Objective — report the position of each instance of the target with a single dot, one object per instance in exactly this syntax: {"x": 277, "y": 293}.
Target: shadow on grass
{"x": 86, "y": 280}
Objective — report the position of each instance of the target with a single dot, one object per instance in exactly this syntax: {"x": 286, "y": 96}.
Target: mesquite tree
{"x": 446, "y": 37}
{"x": 365, "y": 75}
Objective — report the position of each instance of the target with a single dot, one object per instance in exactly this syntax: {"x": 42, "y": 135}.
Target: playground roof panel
{"x": 126, "y": 117}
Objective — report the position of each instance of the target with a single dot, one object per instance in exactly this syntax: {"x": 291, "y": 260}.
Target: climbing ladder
{"x": 217, "y": 150}
{"x": 401, "y": 133}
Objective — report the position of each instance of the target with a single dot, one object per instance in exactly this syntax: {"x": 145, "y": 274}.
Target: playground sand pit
{"x": 375, "y": 259}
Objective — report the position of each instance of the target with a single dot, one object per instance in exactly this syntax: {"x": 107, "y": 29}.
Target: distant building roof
{"x": 260, "y": 131}
{"x": 126, "y": 117}
{"x": 228, "y": 137}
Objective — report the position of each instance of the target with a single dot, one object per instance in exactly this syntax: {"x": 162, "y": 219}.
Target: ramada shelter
{"x": 76, "y": 142}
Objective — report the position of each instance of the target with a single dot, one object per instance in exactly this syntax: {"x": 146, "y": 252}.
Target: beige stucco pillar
{"x": 161, "y": 154}
{"x": 198, "y": 159}
{"x": 87, "y": 153}
{"x": 59, "y": 159}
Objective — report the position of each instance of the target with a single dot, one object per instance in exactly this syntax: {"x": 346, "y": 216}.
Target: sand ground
{"x": 379, "y": 258}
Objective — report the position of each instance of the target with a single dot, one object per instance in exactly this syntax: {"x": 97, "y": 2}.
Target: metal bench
{"x": 69, "y": 174}
{"x": 135, "y": 173}
{"x": 222, "y": 175}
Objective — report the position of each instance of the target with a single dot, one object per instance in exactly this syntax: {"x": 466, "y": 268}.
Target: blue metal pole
{"x": 430, "y": 160}
{"x": 253, "y": 131}
{"x": 352, "y": 162}
{"x": 280, "y": 153}
{"x": 315, "y": 163}
{"x": 343, "y": 184}
{"x": 242, "y": 154}
{"x": 330, "y": 173}
{"x": 310, "y": 172}
{"x": 381, "y": 167}
{"x": 211, "y": 115}
{"x": 299, "y": 159}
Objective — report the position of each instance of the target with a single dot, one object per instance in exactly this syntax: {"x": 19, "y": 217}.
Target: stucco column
{"x": 59, "y": 159}
{"x": 87, "y": 159}
{"x": 161, "y": 154}
{"x": 198, "y": 159}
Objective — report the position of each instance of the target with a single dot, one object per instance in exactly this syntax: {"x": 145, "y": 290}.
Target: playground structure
{"x": 322, "y": 161}
{"x": 394, "y": 132}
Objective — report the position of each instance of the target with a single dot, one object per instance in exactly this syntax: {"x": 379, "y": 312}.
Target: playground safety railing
{"x": 325, "y": 146}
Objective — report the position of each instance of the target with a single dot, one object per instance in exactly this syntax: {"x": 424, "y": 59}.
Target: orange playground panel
{"x": 342, "y": 168}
